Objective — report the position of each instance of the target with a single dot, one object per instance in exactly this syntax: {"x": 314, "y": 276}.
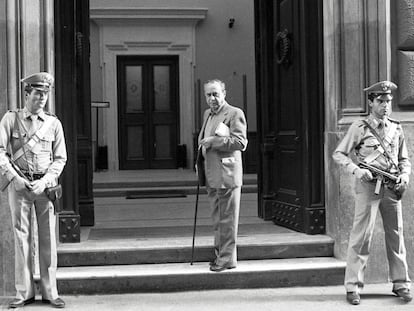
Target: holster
{"x": 398, "y": 189}
{"x": 54, "y": 194}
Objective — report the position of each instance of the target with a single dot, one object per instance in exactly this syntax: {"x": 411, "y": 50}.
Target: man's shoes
{"x": 18, "y": 303}
{"x": 353, "y": 298}
{"x": 403, "y": 293}
{"x": 55, "y": 303}
{"x": 217, "y": 268}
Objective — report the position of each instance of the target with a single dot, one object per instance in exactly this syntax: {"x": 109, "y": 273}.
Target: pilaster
{"x": 26, "y": 32}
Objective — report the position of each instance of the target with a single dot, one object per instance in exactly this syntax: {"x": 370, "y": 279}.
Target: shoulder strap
{"x": 374, "y": 132}
{"x": 34, "y": 138}
{"x": 19, "y": 123}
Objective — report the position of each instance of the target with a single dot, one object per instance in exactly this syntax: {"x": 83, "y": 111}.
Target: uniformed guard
{"x": 32, "y": 157}
{"x": 382, "y": 172}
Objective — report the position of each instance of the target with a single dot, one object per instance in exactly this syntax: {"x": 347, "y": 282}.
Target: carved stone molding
{"x": 404, "y": 51}
{"x": 405, "y": 22}
{"x": 169, "y": 46}
{"x": 146, "y": 15}
{"x": 406, "y": 77}
{"x": 147, "y": 31}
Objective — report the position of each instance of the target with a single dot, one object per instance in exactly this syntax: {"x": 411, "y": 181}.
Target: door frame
{"x": 147, "y": 61}
{"x": 137, "y": 37}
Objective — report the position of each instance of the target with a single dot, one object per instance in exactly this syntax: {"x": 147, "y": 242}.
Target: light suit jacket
{"x": 223, "y": 161}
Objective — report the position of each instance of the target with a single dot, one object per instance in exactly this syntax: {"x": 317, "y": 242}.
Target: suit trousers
{"x": 225, "y": 207}
{"x": 367, "y": 204}
{"x": 21, "y": 206}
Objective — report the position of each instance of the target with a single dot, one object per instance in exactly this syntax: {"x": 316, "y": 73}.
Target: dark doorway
{"x": 72, "y": 90}
{"x": 290, "y": 110}
{"x": 147, "y": 111}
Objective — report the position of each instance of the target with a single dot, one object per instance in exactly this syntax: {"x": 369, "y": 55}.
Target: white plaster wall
{"x": 146, "y": 38}
{"x": 217, "y": 52}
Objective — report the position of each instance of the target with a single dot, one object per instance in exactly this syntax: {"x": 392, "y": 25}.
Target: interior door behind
{"x": 147, "y": 111}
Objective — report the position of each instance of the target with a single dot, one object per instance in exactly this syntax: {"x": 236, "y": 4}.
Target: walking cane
{"x": 195, "y": 222}
{"x": 200, "y": 180}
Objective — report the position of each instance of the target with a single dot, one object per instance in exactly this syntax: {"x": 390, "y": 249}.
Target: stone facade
{"x": 385, "y": 28}
{"x": 26, "y": 31}
{"x": 358, "y": 35}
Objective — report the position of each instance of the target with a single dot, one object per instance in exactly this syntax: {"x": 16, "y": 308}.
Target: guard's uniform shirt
{"x": 367, "y": 148}
{"x": 47, "y": 157}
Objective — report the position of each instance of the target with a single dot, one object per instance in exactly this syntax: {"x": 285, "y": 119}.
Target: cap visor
{"x": 385, "y": 97}
{"x": 41, "y": 88}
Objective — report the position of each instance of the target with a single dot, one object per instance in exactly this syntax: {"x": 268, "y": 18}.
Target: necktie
{"x": 34, "y": 125}
{"x": 381, "y": 128}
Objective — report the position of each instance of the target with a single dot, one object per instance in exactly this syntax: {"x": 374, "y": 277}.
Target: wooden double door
{"x": 147, "y": 111}
{"x": 290, "y": 113}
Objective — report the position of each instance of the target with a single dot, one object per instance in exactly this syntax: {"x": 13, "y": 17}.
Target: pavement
{"x": 374, "y": 297}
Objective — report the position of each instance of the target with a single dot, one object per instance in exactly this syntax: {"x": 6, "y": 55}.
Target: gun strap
{"x": 22, "y": 142}
{"x": 34, "y": 139}
{"x": 375, "y": 133}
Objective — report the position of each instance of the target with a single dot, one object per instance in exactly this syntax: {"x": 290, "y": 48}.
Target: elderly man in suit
{"x": 222, "y": 139}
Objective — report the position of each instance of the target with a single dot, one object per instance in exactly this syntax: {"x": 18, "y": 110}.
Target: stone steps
{"x": 149, "y": 248}
{"x": 181, "y": 181}
{"x": 178, "y": 249}
{"x": 158, "y": 192}
{"x": 162, "y": 264}
{"x": 158, "y": 188}
{"x": 183, "y": 276}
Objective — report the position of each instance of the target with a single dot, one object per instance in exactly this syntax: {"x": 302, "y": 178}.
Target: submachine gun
{"x": 384, "y": 177}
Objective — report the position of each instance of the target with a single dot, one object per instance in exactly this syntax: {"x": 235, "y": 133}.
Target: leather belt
{"x": 35, "y": 176}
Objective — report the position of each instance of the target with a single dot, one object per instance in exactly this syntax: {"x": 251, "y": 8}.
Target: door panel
{"x": 133, "y": 81}
{"x": 287, "y": 167}
{"x": 162, "y": 88}
{"x": 290, "y": 92}
{"x": 148, "y": 111}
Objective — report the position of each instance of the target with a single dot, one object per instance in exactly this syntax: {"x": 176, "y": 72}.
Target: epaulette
{"x": 393, "y": 120}
{"x": 50, "y": 114}
{"x": 361, "y": 123}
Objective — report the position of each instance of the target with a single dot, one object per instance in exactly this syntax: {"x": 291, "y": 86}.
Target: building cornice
{"x": 116, "y": 15}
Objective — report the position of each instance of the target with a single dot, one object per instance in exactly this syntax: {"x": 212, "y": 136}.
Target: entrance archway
{"x": 290, "y": 102}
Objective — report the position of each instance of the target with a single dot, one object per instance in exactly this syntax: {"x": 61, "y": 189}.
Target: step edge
{"x": 183, "y": 247}
{"x": 98, "y": 190}
{"x": 200, "y": 268}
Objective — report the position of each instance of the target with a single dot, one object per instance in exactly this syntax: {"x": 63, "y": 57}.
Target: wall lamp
{"x": 231, "y": 22}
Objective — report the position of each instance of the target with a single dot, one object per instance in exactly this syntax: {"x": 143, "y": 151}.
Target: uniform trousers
{"x": 21, "y": 206}
{"x": 225, "y": 207}
{"x": 367, "y": 204}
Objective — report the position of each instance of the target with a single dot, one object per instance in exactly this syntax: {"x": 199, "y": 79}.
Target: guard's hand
{"x": 38, "y": 186}
{"x": 363, "y": 174}
{"x": 21, "y": 184}
{"x": 403, "y": 179}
